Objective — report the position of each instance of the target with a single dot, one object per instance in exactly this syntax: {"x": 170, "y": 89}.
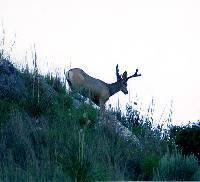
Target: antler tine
{"x": 134, "y": 75}
{"x": 117, "y": 73}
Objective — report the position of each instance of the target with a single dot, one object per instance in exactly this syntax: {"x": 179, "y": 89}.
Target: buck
{"x": 97, "y": 90}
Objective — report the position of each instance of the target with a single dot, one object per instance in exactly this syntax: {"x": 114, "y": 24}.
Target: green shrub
{"x": 187, "y": 138}
{"x": 35, "y": 171}
{"x": 176, "y": 166}
{"x": 88, "y": 114}
{"x": 55, "y": 83}
{"x": 40, "y": 97}
{"x": 196, "y": 176}
{"x": 78, "y": 170}
{"x": 148, "y": 164}
{"x": 111, "y": 151}
{"x": 6, "y": 108}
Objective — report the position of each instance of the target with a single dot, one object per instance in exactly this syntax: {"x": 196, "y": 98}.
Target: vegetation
{"x": 187, "y": 138}
{"x": 177, "y": 167}
{"x": 46, "y": 136}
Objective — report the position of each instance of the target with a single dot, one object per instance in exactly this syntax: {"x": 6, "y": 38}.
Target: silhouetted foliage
{"x": 187, "y": 138}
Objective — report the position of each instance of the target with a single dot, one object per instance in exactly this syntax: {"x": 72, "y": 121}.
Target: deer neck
{"x": 114, "y": 87}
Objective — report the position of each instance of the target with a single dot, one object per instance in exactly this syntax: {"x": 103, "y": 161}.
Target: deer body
{"x": 97, "y": 90}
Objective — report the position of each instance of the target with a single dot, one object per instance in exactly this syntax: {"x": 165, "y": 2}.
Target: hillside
{"x": 48, "y": 134}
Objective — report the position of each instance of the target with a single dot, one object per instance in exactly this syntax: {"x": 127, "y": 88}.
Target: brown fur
{"x": 95, "y": 89}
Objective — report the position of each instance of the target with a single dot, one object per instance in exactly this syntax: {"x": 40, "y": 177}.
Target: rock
{"x": 115, "y": 126}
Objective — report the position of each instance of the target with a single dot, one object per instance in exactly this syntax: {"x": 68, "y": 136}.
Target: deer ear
{"x": 124, "y": 76}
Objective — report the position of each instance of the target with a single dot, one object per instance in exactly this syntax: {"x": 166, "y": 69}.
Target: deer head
{"x": 123, "y": 79}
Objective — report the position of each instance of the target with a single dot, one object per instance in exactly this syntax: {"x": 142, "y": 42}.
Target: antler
{"x": 135, "y": 75}
{"x": 117, "y": 73}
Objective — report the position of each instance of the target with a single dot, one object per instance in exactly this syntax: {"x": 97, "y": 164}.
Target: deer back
{"x": 91, "y": 87}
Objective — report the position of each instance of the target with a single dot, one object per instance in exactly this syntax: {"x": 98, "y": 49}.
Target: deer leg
{"x": 102, "y": 110}
{"x": 102, "y": 105}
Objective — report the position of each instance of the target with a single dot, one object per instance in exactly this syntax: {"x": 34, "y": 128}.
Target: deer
{"x": 95, "y": 89}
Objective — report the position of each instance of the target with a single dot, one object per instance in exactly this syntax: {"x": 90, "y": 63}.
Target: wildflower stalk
{"x": 82, "y": 137}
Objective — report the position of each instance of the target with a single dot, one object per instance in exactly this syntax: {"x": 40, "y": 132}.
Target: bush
{"x": 6, "y": 108}
{"x": 148, "y": 164}
{"x": 175, "y": 166}
{"x": 196, "y": 176}
{"x": 78, "y": 170}
{"x": 12, "y": 85}
{"x": 187, "y": 138}
{"x": 40, "y": 97}
{"x": 111, "y": 153}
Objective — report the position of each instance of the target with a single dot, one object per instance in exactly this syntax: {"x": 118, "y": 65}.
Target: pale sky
{"x": 159, "y": 37}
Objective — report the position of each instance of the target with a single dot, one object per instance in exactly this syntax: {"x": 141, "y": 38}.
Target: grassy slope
{"x": 44, "y": 137}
